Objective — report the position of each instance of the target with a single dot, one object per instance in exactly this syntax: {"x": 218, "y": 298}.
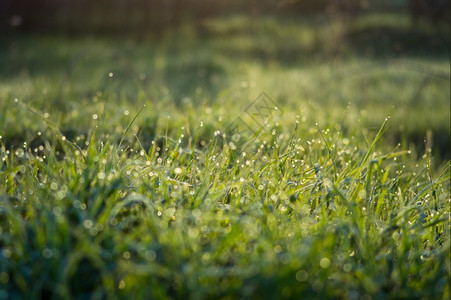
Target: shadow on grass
{"x": 389, "y": 41}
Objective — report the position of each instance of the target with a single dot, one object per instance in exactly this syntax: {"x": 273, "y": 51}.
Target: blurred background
{"x": 321, "y": 60}
{"x": 153, "y": 16}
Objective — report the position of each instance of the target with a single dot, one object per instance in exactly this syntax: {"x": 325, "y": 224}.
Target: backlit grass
{"x": 120, "y": 178}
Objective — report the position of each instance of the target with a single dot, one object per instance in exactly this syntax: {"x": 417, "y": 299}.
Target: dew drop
{"x": 19, "y": 152}
{"x": 87, "y": 224}
{"x": 121, "y": 284}
{"x": 324, "y": 263}
{"x": 347, "y": 267}
{"x": 47, "y": 253}
{"x": 301, "y": 276}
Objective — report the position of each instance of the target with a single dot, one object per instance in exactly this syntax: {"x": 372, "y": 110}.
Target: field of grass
{"x": 122, "y": 176}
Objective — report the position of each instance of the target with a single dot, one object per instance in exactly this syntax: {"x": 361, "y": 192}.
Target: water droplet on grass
{"x": 54, "y": 185}
{"x": 19, "y": 152}
{"x": 121, "y": 284}
{"x": 347, "y": 267}
{"x": 301, "y": 276}
{"x": 47, "y": 253}
{"x": 6, "y": 253}
{"x": 151, "y": 255}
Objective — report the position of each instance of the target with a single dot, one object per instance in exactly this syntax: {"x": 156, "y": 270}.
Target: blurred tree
{"x": 432, "y": 10}
{"x": 156, "y": 15}
{"x": 338, "y": 7}
{"x": 349, "y": 8}
{"x": 4, "y": 17}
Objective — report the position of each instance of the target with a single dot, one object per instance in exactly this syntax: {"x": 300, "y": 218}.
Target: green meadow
{"x": 123, "y": 176}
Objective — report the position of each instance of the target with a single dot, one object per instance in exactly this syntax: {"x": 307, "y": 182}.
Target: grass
{"x": 106, "y": 198}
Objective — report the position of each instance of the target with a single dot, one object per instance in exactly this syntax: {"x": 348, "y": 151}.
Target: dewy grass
{"x": 96, "y": 202}
{"x": 285, "y": 220}
{"x": 129, "y": 125}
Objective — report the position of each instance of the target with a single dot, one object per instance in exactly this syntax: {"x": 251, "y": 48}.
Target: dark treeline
{"x": 156, "y": 15}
